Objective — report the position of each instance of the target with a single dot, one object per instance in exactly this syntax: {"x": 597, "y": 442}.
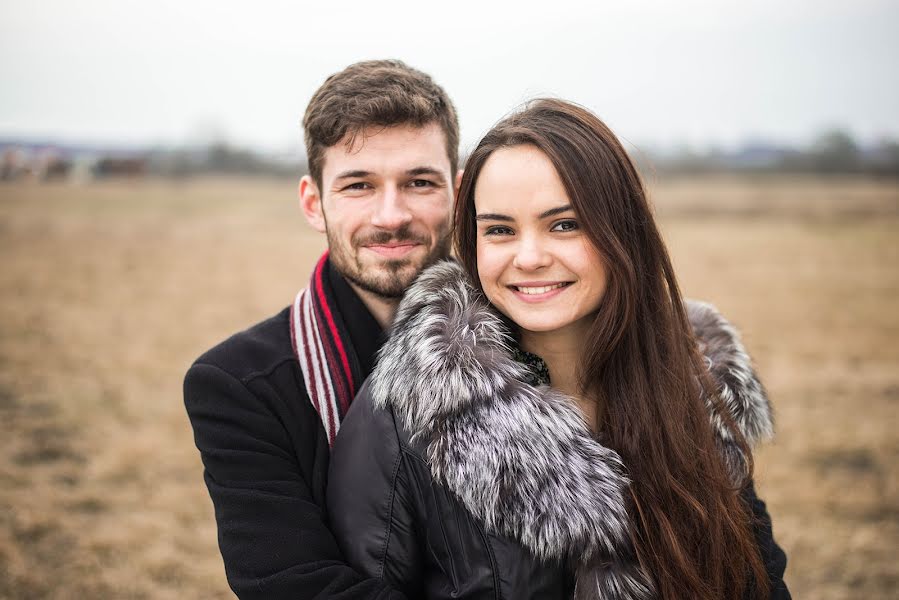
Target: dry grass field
{"x": 108, "y": 292}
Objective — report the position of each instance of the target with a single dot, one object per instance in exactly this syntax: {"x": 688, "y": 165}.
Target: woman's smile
{"x": 539, "y": 291}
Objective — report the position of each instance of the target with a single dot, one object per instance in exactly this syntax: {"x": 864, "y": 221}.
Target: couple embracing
{"x": 543, "y": 416}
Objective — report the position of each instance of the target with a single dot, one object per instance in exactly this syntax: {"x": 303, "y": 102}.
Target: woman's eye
{"x": 498, "y": 230}
{"x": 566, "y": 225}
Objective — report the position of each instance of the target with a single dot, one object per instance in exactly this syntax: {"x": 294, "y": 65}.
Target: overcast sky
{"x": 662, "y": 71}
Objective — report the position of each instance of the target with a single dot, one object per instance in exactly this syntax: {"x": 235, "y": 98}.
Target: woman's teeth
{"x": 539, "y": 290}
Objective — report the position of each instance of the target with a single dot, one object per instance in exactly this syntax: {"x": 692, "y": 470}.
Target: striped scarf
{"x": 323, "y": 350}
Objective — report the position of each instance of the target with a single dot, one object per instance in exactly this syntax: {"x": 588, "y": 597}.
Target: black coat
{"x": 266, "y": 457}
{"x": 395, "y": 523}
{"x": 453, "y": 477}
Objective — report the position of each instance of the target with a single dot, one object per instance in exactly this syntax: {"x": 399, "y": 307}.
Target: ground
{"x": 108, "y": 291}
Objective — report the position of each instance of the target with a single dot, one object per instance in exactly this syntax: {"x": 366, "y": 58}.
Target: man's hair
{"x": 378, "y": 93}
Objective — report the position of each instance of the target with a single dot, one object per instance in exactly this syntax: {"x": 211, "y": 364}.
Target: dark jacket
{"x": 453, "y": 477}
{"x": 266, "y": 456}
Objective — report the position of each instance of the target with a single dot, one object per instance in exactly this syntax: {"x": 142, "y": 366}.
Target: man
{"x": 382, "y": 143}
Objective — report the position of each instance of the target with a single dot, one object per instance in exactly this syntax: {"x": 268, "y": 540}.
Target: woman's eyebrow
{"x": 493, "y": 217}
{"x": 544, "y": 215}
{"x": 555, "y": 211}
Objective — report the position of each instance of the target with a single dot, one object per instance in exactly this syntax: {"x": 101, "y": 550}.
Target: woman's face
{"x": 535, "y": 263}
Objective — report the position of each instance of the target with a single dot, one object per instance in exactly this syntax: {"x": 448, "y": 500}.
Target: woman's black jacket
{"x": 452, "y": 477}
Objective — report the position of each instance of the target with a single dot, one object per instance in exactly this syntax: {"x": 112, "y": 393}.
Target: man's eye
{"x": 421, "y": 183}
{"x": 498, "y": 230}
{"x": 566, "y": 225}
{"x": 358, "y": 186}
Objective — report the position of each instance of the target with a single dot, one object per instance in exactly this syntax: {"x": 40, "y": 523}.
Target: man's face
{"x": 385, "y": 204}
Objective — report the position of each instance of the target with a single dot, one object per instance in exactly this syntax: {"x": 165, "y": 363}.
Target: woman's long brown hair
{"x": 691, "y": 531}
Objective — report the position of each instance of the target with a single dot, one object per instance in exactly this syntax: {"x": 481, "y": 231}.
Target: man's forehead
{"x": 388, "y": 150}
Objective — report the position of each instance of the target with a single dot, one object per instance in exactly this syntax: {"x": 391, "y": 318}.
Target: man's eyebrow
{"x": 424, "y": 170}
{"x": 352, "y": 174}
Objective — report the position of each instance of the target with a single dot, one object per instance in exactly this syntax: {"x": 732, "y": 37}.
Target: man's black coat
{"x": 266, "y": 454}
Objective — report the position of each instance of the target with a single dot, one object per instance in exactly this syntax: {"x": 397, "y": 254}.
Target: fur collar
{"x": 520, "y": 458}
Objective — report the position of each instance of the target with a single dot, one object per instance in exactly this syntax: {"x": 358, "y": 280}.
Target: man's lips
{"x": 393, "y": 249}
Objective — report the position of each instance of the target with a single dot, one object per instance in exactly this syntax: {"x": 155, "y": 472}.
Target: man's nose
{"x": 392, "y": 210}
{"x": 531, "y": 254}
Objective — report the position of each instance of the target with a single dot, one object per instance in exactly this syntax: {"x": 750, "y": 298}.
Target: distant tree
{"x": 224, "y": 158}
{"x": 835, "y": 150}
{"x": 884, "y": 157}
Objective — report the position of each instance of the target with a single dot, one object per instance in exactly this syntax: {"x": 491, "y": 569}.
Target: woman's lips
{"x": 539, "y": 291}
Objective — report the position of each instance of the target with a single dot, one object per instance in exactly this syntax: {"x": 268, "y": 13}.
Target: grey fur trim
{"x": 612, "y": 580}
{"x": 521, "y": 458}
{"x": 739, "y": 387}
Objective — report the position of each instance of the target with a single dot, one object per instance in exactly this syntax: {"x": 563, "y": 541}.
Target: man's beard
{"x": 388, "y": 279}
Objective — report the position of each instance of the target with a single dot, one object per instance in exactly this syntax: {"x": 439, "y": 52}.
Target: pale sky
{"x": 697, "y": 71}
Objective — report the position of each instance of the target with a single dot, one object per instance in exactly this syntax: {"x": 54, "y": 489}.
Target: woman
{"x": 545, "y": 420}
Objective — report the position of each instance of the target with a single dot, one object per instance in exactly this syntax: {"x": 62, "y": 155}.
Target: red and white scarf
{"x": 323, "y": 349}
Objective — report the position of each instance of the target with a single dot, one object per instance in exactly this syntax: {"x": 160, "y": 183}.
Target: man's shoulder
{"x": 254, "y": 351}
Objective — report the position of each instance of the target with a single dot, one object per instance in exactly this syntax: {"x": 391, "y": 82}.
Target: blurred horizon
{"x": 831, "y": 152}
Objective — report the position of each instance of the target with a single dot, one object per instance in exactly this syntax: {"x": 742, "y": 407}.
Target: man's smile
{"x": 393, "y": 249}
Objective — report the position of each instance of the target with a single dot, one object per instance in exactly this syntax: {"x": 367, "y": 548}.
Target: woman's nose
{"x": 531, "y": 255}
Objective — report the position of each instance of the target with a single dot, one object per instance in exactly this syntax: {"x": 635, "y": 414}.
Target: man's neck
{"x": 382, "y": 309}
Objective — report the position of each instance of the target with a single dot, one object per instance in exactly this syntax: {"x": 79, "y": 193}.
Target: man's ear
{"x": 311, "y": 203}
{"x": 458, "y": 182}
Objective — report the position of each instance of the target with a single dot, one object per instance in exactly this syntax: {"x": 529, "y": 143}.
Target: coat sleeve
{"x": 272, "y": 534}
{"x": 371, "y": 498}
{"x": 774, "y": 558}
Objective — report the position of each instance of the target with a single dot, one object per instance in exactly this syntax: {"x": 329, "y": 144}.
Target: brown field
{"x": 108, "y": 292}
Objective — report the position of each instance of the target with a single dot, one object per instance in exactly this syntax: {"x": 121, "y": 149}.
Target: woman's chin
{"x": 538, "y": 325}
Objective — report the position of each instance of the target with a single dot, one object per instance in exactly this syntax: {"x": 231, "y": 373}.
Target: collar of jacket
{"x": 520, "y": 458}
